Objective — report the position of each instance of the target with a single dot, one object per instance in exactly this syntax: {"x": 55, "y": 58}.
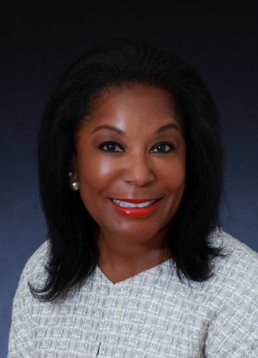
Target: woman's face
{"x": 132, "y": 148}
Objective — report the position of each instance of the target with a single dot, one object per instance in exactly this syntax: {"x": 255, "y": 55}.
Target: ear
{"x": 72, "y": 174}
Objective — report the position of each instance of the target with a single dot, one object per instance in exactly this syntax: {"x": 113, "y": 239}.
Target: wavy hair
{"x": 73, "y": 252}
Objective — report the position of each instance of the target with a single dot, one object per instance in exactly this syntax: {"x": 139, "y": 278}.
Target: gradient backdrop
{"x": 38, "y": 38}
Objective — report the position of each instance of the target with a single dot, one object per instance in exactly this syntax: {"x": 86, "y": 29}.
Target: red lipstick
{"x": 136, "y": 212}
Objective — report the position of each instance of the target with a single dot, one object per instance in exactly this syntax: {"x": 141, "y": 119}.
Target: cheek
{"x": 173, "y": 176}
{"x": 174, "y": 184}
{"x": 94, "y": 175}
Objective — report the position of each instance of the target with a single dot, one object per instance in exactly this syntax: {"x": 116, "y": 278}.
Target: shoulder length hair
{"x": 73, "y": 253}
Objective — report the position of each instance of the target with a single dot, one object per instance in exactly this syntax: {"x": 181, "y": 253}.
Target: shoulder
{"x": 219, "y": 237}
{"x": 34, "y": 271}
{"x": 237, "y": 270}
{"x": 236, "y": 252}
{"x": 37, "y": 261}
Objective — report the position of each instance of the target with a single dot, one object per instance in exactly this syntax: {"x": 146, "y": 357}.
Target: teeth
{"x": 124, "y": 204}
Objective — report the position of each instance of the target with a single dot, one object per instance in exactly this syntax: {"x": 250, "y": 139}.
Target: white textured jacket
{"x": 150, "y": 315}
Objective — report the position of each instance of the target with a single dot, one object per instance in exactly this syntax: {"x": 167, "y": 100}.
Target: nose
{"x": 138, "y": 170}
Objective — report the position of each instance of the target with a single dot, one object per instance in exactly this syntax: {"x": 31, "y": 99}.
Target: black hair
{"x": 73, "y": 252}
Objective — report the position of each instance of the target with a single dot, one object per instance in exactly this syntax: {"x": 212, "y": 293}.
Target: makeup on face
{"x": 136, "y": 208}
{"x": 131, "y": 164}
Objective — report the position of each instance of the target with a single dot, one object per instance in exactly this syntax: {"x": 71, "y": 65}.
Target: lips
{"x": 120, "y": 205}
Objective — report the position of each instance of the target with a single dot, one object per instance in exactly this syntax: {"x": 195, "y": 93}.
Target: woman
{"x": 131, "y": 168}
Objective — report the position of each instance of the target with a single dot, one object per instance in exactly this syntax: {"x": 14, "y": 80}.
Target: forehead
{"x": 135, "y": 105}
{"x": 140, "y": 95}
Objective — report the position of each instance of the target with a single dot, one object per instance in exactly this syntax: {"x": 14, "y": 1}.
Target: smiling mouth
{"x": 136, "y": 208}
{"x": 132, "y": 204}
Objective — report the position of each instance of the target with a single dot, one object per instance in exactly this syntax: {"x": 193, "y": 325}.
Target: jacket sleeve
{"x": 20, "y": 337}
{"x": 21, "y": 332}
{"x": 234, "y": 331}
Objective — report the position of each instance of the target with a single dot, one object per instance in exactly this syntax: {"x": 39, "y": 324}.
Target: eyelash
{"x": 117, "y": 145}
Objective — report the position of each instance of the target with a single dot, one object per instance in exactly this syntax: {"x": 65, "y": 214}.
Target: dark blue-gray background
{"x": 220, "y": 38}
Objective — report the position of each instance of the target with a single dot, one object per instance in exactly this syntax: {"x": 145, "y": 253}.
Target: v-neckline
{"x": 150, "y": 270}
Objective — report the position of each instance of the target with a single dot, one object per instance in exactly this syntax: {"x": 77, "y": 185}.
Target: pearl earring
{"x": 74, "y": 185}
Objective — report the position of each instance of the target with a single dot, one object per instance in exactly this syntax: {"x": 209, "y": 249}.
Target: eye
{"x": 163, "y": 148}
{"x": 111, "y": 147}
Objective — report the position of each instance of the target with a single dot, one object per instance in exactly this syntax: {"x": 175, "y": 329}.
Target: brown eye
{"x": 162, "y": 148}
{"x": 111, "y": 147}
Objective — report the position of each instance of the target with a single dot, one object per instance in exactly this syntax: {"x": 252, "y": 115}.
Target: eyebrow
{"x": 167, "y": 126}
{"x": 119, "y": 131}
{"x": 110, "y": 128}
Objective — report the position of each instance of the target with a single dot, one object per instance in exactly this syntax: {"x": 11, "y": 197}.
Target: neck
{"x": 133, "y": 254}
